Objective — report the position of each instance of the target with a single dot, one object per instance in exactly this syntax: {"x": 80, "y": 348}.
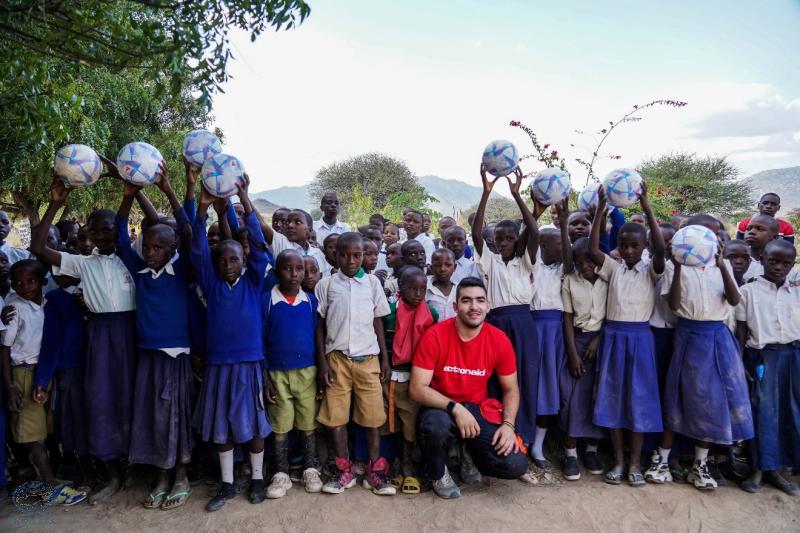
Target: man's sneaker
{"x": 592, "y": 464}
{"x": 281, "y": 482}
{"x": 571, "y": 469}
{"x": 658, "y": 472}
{"x": 377, "y": 478}
{"x": 469, "y": 472}
{"x": 344, "y": 477}
{"x": 311, "y": 480}
{"x": 226, "y": 492}
{"x": 445, "y": 487}
{"x": 701, "y": 477}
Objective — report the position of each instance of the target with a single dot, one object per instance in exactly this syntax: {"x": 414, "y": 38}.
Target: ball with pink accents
{"x": 221, "y": 174}
{"x": 139, "y": 163}
{"x": 77, "y": 165}
{"x": 551, "y": 186}
{"x": 694, "y": 246}
{"x": 622, "y": 187}
{"x": 500, "y": 158}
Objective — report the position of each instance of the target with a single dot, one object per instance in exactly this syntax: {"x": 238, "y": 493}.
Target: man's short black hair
{"x": 510, "y": 224}
{"x": 781, "y": 244}
{"x": 31, "y": 265}
{"x": 469, "y": 281}
{"x": 414, "y": 212}
{"x": 101, "y": 214}
{"x": 347, "y": 238}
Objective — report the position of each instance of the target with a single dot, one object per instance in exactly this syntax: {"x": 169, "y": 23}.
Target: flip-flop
{"x": 397, "y": 481}
{"x": 154, "y": 500}
{"x": 613, "y": 478}
{"x": 410, "y": 485}
{"x": 635, "y": 479}
{"x": 179, "y": 498}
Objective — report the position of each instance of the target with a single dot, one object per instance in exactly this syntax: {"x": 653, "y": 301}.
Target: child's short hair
{"x": 348, "y": 238}
{"x": 64, "y": 226}
{"x": 31, "y": 265}
{"x": 329, "y": 238}
{"x": 106, "y": 215}
{"x": 781, "y": 244}
{"x": 408, "y": 244}
{"x": 240, "y": 234}
{"x": 510, "y": 224}
{"x": 452, "y": 229}
{"x": 284, "y": 256}
{"x": 581, "y": 246}
{"x": 309, "y": 220}
{"x": 632, "y": 227}
{"x": 702, "y": 219}
{"x": 549, "y": 233}
{"x": 215, "y": 251}
{"x": 408, "y": 273}
{"x": 666, "y": 225}
{"x": 734, "y": 242}
{"x": 444, "y": 251}
{"x": 414, "y": 212}
{"x": 392, "y": 224}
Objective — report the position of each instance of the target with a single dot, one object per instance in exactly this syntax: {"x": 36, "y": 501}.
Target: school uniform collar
{"x": 436, "y": 290}
{"x": 360, "y": 277}
{"x": 232, "y": 285}
{"x": 168, "y": 268}
{"x": 764, "y": 281}
{"x": 277, "y": 296}
{"x": 323, "y": 224}
{"x": 13, "y": 298}
{"x": 638, "y": 267}
{"x": 96, "y": 253}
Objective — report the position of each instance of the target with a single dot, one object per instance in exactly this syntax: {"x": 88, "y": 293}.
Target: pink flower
{"x": 545, "y": 147}
{"x": 553, "y": 154}
{"x": 514, "y": 123}
{"x": 603, "y": 130}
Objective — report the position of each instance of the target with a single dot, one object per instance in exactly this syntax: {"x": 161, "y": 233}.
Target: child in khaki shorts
{"x": 352, "y": 363}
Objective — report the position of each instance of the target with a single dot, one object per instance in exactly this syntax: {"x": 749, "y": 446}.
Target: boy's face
{"x": 376, "y": 221}
{"x": 505, "y": 241}
{"x": 760, "y": 230}
{"x": 213, "y": 234}
{"x": 85, "y": 244}
{"x": 578, "y": 225}
{"x": 414, "y": 254}
{"x": 279, "y": 220}
{"x": 442, "y": 266}
{"x": 586, "y": 267}
{"x": 393, "y": 257}
{"x": 52, "y": 238}
{"x": 375, "y": 236}
{"x": 739, "y": 256}
{"x": 5, "y": 225}
{"x": 27, "y": 284}
{"x": 71, "y": 239}
{"x": 104, "y": 234}
{"x": 311, "y": 274}
{"x": 777, "y": 264}
{"x": 239, "y": 209}
{"x": 296, "y": 227}
{"x": 551, "y": 248}
{"x": 329, "y": 249}
{"x": 158, "y": 246}
{"x": 769, "y": 205}
{"x": 290, "y": 272}
{"x": 370, "y": 256}
{"x": 350, "y": 257}
{"x": 390, "y": 234}
{"x": 638, "y": 218}
{"x": 230, "y": 261}
{"x": 5, "y": 266}
{"x": 413, "y": 290}
{"x": 444, "y": 225}
{"x": 455, "y": 240}
{"x": 413, "y": 224}
{"x": 426, "y": 223}
{"x": 630, "y": 246}
{"x": 329, "y": 205}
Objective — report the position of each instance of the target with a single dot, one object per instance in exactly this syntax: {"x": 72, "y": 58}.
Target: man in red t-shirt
{"x": 450, "y": 372}
{"x": 769, "y": 204}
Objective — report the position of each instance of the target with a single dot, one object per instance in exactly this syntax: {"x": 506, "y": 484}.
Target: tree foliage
{"x": 497, "y": 208}
{"x": 361, "y": 206}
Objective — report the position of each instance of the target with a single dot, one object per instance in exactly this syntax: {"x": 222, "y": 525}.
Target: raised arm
{"x": 477, "y": 224}
{"x": 129, "y": 258}
{"x": 192, "y": 175}
{"x": 58, "y": 198}
{"x": 201, "y": 254}
{"x": 595, "y": 254}
{"x": 258, "y": 258}
{"x": 562, "y": 212}
{"x": 659, "y": 248}
{"x": 731, "y": 288}
{"x": 531, "y": 233}
{"x": 674, "y": 295}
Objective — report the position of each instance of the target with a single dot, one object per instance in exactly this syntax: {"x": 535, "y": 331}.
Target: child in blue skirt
{"x": 705, "y": 393}
{"x": 230, "y": 407}
{"x": 509, "y": 275}
{"x": 769, "y": 332}
{"x": 627, "y": 378}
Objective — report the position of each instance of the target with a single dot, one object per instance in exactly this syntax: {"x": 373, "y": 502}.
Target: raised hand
{"x": 162, "y": 179}
{"x": 488, "y": 184}
{"x": 58, "y": 191}
{"x": 192, "y": 172}
{"x": 113, "y": 171}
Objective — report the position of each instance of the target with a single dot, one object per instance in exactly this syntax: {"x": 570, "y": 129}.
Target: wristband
{"x": 509, "y": 424}
{"x": 451, "y": 406}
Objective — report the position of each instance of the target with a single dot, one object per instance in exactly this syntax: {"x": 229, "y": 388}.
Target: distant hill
{"x": 264, "y": 206}
{"x": 783, "y": 181}
{"x": 287, "y": 196}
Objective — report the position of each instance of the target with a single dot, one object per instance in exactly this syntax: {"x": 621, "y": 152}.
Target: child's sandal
{"x": 613, "y": 478}
{"x": 397, "y": 481}
{"x": 410, "y": 485}
{"x": 635, "y": 479}
{"x": 173, "y": 501}
{"x": 154, "y": 500}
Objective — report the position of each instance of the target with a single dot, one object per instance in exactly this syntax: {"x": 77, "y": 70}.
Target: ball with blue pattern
{"x": 623, "y": 187}
{"x": 694, "y": 246}
{"x": 77, "y": 165}
{"x": 500, "y": 158}
{"x": 138, "y": 163}
{"x": 551, "y": 186}
{"x": 199, "y": 145}
{"x": 588, "y": 198}
{"x": 221, "y": 174}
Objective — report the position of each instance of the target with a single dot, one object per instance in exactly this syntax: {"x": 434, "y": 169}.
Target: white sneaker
{"x": 279, "y": 485}
{"x": 701, "y": 477}
{"x": 658, "y": 472}
{"x": 311, "y": 480}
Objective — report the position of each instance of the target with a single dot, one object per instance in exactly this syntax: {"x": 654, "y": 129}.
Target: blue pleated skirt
{"x": 627, "y": 379}
{"x": 517, "y": 322}
{"x": 230, "y": 407}
{"x": 577, "y": 395}
{"x": 548, "y": 329}
{"x": 70, "y": 410}
{"x": 705, "y": 394}
{"x": 664, "y": 339}
{"x": 776, "y": 405}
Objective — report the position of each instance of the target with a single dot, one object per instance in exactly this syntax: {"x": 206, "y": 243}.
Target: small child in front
{"x": 352, "y": 363}
{"x": 441, "y": 292}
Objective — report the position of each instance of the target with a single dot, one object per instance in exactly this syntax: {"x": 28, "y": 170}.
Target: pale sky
{"x": 432, "y": 83}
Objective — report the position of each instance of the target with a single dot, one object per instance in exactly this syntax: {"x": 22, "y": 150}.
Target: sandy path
{"x": 587, "y": 505}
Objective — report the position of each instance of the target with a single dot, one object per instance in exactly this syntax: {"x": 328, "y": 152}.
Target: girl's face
{"x": 585, "y": 266}
{"x": 311, "y": 277}
{"x": 739, "y": 256}
{"x": 413, "y": 290}
{"x": 296, "y": 227}
{"x": 329, "y": 249}
{"x": 85, "y": 244}
{"x": 578, "y": 225}
{"x": 630, "y": 246}
{"x": 279, "y": 220}
{"x": 505, "y": 241}
{"x": 442, "y": 266}
{"x": 390, "y": 234}
{"x": 551, "y": 249}
{"x": 103, "y": 232}
{"x": 370, "y": 256}
{"x": 213, "y": 234}
{"x": 393, "y": 257}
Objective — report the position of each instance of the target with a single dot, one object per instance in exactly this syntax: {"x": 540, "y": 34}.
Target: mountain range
{"x": 785, "y": 182}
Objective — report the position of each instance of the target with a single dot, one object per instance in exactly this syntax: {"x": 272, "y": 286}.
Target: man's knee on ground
{"x": 433, "y": 424}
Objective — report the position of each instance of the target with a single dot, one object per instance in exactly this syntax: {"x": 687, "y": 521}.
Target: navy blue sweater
{"x": 162, "y": 319}
{"x": 233, "y": 314}
{"x": 63, "y": 336}
{"x": 289, "y": 332}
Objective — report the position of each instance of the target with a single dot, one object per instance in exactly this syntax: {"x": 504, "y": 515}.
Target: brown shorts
{"x": 405, "y": 411}
{"x": 29, "y": 424}
{"x": 361, "y": 381}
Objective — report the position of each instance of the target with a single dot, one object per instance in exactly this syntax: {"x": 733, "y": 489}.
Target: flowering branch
{"x": 549, "y": 158}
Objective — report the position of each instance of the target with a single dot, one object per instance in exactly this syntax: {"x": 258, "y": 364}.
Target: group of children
{"x": 196, "y": 337}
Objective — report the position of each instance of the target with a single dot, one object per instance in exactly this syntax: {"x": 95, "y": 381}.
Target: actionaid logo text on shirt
{"x": 467, "y": 371}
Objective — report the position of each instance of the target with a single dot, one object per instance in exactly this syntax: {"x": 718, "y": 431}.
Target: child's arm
{"x": 230, "y": 214}
{"x": 50, "y": 351}
{"x": 13, "y": 394}
{"x": 58, "y": 198}
{"x": 575, "y": 364}
{"x": 377, "y": 325}
{"x": 531, "y": 242}
{"x": 129, "y": 258}
{"x": 659, "y": 248}
{"x": 562, "y": 210}
{"x": 180, "y": 213}
{"x": 477, "y": 224}
{"x": 201, "y": 255}
{"x": 597, "y": 257}
{"x": 731, "y": 288}
{"x": 222, "y": 206}
{"x": 674, "y": 295}
{"x": 258, "y": 258}
{"x": 192, "y": 175}
{"x": 325, "y": 377}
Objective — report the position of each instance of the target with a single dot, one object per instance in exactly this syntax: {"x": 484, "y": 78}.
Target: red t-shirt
{"x": 785, "y": 228}
{"x": 461, "y": 370}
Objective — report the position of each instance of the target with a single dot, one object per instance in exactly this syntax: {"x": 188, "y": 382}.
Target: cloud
{"x": 763, "y": 117}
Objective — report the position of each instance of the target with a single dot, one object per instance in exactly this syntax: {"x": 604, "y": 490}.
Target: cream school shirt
{"x": 465, "y": 268}
{"x": 756, "y": 270}
{"x": 107, "y": 285}
{"x": 662, "y": 316}
{"x": 772, "y": 314}
{"x": 585, "y": 300}
{"x": 23, "y": 335}
{"x": 281, "y": 243}
{"x": 547, "y": 286}
{"x": 436, "y": 299}
{"x": 631, "y": 291}
{"x": 507, "y": 283}
{"x": 702, "y": 292}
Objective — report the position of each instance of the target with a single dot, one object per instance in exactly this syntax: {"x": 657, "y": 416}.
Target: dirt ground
{"x": 585, "y": 505}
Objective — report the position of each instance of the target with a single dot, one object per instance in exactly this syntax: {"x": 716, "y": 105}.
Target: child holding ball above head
{"x": 769, "y": 334}
{"x": 229, "y": 407}
{"x": 110, "y": 370}
{"x": 627, "y": 380}
{"x": 352, "y": 363}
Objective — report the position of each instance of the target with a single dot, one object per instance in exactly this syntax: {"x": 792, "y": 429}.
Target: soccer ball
{"x": 551, "y": 186}
{"x": 77, "y": 165}
{"x": 587, "y": 199}
{"x": 694, "y": 246}
{"x": 622, "y": 187}
{"x": 500, "y": 158}
{"x": 220, "y": 175}
{"x": 138, "y": 163}
{"x": 199, "y": 145}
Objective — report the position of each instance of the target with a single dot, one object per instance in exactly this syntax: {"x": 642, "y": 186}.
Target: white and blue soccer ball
{"x": 551, "y": 186}
{"x": 588, "y": 197}
{"x": 138, "y": 163}
{"x": 500, "y": 158}
{"x": 77, "y": 165}
{"x": 623, "y": 187}
{"x": 694, "y": 246}
{"x": 199, "y": 145}
{"x": 221, "y": 174}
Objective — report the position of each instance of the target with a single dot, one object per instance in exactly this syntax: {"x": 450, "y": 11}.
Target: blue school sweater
{"x": 233, "y": 315}
{"x": 162, "y": 319}
{"x": 289, "y": 331}
{"x": 63, "y": 336}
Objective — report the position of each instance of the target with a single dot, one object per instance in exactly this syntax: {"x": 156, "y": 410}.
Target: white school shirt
{"x": 585, "y": 300}
{"x": 427, "y": 244}
{"x": 662, "y": 316}
{"x": 13, "y": 253}
{"x": 107, "y": 285}
{"x": 772, "y": 314}
{"x": 756, "y": 270}
{"x": 547, "y": 286}
{"x": 436, "y": 299}
{"x": 281, "y": 243}
{"x": 168, "y": 270}
{"x": 382, "y": 261}
{"x": 631, "y": 291}
{"x": 23, "y": 335}
{"x": 349, "y": 306}
{"x": 507, "y": 283}
{"x": 702, "y": 292}
{"x": 465, "y": 268}
{"x": 323, "y": 229}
